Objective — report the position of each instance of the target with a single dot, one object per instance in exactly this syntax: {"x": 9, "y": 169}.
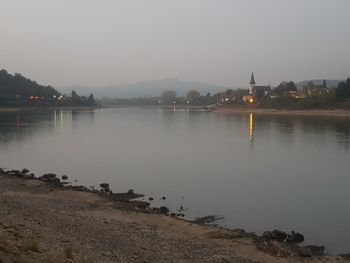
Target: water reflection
{"x": 251, "y": 128}
{"x": 204, "y": 156}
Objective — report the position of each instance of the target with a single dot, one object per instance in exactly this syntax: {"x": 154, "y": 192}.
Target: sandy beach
{"x": 41, "y": 222}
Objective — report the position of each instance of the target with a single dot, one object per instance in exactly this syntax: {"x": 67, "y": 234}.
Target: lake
{"x": 260, "y": 172}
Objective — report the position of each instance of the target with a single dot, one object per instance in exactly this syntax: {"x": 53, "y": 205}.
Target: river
{"x": 260, "y": 172}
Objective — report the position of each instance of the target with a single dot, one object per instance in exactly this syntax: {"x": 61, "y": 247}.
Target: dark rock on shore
{"x": 104, "y": 185}
{"x": 295, "y": 237}
{"x": 24, "y": 171}
{"x": 316, "y": 250}
{"x": 164, "y": 210}
{"x": 304, "y": 252}
{"x": 48, "y": 176}
{"x": 276, "y": 235}
{"x": 64, "y": 177}
{"x": 206, "y": 220}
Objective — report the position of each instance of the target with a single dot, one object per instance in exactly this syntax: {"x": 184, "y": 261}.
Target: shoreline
{"x": 324, "y": 113}
{"x": 43, "y": 217}
{"x": 18, "y": 109}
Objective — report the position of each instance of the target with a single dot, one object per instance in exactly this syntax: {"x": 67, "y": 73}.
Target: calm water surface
{"x": 259, "y": 172}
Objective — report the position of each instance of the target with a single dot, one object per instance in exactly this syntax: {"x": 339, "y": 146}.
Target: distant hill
{"x": 151, "y": 88}
{"x": 330, "y": 83}
{"x": 12, "y": 86}
{"x": 19, "y": 91}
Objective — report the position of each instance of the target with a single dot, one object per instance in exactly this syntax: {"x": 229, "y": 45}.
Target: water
{"x": 260, "y": 172}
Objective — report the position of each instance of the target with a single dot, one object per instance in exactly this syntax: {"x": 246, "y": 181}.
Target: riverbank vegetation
{"x": 18, "y": 91}
{"x": 285, "y": 96}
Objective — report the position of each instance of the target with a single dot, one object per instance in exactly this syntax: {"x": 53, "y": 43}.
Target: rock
{"x": 172, "y": 214}
{"x": 295, "y": 237}
{"x": 54, "y": 180}
{"x": 28, "y": 176}
{"x": 14, "y": 173}
{"x": 163, "y": 198}
{"x": 130, "y": 192}
{"x": 64, "y": 177}
{"x": 48, "y": 176}
{"x": 104, "y": 185}
{"x": 279, "y": 236}
{"x": 151, "y": 198}
{"x": 275, "y": 235}
{"x": 163, "y": 210}
{"x": 24, "y": 171}
{"x": 304, "y": 252}
{"x": 267, "y": 235}
{"x": 316, "y": 250}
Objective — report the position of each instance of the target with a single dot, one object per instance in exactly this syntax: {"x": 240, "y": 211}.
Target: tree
{"x": 310, "y": 85}
{"x": 285, "y": 87}
{"x": 192, "y": 95}
{"x": 324, "y": 84}
{"x": 168, "y": 96}
{"x": 343, "y": 90}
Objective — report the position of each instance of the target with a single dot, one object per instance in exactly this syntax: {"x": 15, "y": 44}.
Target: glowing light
{"x": 251, "y": 127}
{"x": 251, "y": 100}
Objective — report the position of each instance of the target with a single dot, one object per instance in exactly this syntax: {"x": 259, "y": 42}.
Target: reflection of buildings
{"x": 251, "y": 127}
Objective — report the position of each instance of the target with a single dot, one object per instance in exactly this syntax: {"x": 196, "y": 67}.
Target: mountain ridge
{"x": 147, "y": 88}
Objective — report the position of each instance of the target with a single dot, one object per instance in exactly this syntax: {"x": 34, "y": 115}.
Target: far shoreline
{"x": 283, "y": 112}
{"x": 18, "y": 109}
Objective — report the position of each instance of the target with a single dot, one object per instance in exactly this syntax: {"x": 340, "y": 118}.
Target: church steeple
{"x": 252, "y": 80}
{"x": 252, "y": 84}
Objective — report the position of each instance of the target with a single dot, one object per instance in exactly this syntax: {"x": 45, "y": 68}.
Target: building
{"x": 256, "y": 92}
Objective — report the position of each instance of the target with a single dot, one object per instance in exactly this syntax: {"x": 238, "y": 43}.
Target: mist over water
{"x": 260, "y": 172}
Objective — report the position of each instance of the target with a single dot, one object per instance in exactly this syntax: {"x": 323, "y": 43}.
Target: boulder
{"x": 316, "y": 250}
{"x": 267, "y": 235}
{"x": 130, "y": 192}
{"x": 163, "y": 210}
{"x": 64, "y": 177}
{"x": 24, "y": 171}
{"x": 48, "y": 176}
{"x": 279, "y": 235}
{"x": 304, "y": 252}
{"x": 54, "y": 180}
{"x": 295, "y": 237}
{"x": 104, "y": 185}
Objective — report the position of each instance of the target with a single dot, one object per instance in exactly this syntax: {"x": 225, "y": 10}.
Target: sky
{"x": 104, "y": 42}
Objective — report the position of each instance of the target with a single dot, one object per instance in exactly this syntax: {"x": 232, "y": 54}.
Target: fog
{"x": 113, "y": 41}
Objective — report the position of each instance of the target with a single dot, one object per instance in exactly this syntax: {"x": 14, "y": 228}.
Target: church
{"x": 256, "y": 93}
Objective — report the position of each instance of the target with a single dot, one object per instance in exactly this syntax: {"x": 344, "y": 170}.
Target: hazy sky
{"x": 101, "y": 42}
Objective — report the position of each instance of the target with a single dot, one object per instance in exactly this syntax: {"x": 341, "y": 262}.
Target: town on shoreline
{"x": 286, "y": 96}
{"x": 18, "y": 92}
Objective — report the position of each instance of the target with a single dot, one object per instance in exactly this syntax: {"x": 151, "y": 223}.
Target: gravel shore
{"x": 43, "y": 223}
